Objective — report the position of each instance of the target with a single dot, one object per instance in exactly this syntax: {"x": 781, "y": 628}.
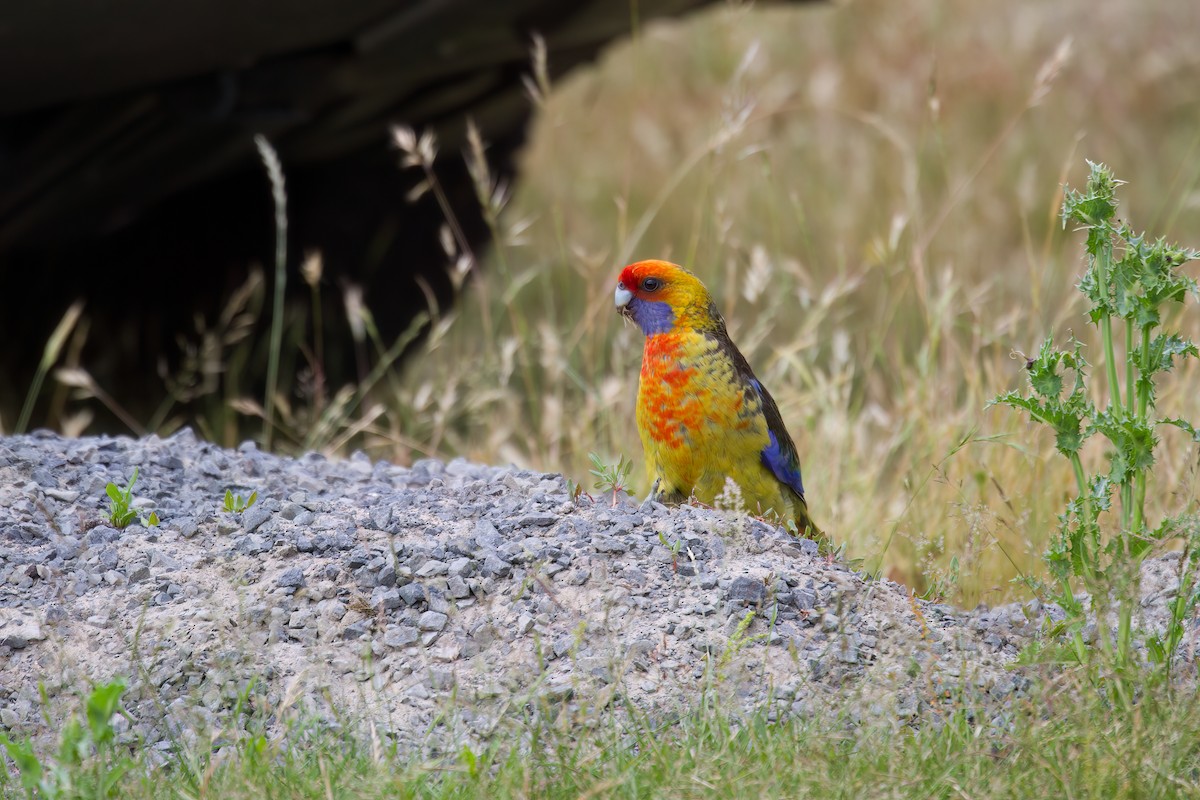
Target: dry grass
{"x": 872, "y": 191}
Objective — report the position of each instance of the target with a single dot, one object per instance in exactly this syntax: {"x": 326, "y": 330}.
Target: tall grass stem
{"x": 279, "y": 195}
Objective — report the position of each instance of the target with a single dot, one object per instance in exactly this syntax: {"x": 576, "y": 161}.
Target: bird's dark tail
{"x": 805, "y": 527}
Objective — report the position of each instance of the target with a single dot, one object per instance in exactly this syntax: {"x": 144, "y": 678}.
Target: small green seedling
{"x": 611, "y": 477}
{"x": 236, "y": 504}
{"x": 120, "y": 505}
{"x": 672, "y": 548}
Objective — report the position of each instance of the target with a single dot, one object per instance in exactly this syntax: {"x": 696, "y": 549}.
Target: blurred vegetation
{"x": 872, "y": 191}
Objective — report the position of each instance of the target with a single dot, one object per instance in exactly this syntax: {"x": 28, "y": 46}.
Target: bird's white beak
{"x": 622, "y": 296}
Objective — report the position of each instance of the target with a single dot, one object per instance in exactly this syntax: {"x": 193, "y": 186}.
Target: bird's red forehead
{"x": 633, "y": 274}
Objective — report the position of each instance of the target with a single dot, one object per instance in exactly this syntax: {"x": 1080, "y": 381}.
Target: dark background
{"x": 129, "y": 178}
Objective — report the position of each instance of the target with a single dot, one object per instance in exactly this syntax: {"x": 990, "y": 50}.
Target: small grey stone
{"x": 524, "y": 623}
{"x": 830, "y": 622}
{"x": 641, "y": 647}
{"x": 746, "y": 590}
{"x": 291, "y": 577}
{"x": 139, "y": 574}
{"x": 846, "y": 651}
{"x": 357, "y": 630}
{"x": 387, "y": 576}
{"x": 401, "y": 636}
{"x": 365, "y": 577}
{"x": 493, "y": 565}
{"x": 68, "y": 548}
{"x": 381, "y": 517}
{"x": 44, "y": 477}
{"x": 716, "y": 546}
{"x": 804, "y": 599}
{"x": 447, "y": 653}
{"x": 18, "y": 632}
{"x": 390, "y": 599}
{"x": 253, "y": 545}
{"x": 662, "y": 555}
{"x": 485, "y": 534}
{"x": 457, "y": 588}
{"x": 437, "y": 600}
{"x": 304, "y": 543}
{"x": 412, "y": 593}
{"x": 536, "y": 520}
{"x": 292, "y": 510}
{"x": 431, "y": 568}
{"x": 102, "y": 534}
{"x": 163, "y": 562}
{"x": 358, "y": 557}
{"x": 65, "y": 495}
{"x": 607, "y": 544}
{"x": 432, "y": 621}
{"x": 634, "y": 575}
{"x": 460, "y": 566}
{"x": 254, "y": 516}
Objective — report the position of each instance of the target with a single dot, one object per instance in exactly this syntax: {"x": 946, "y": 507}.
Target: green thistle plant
{"x": 1128, "y": 282}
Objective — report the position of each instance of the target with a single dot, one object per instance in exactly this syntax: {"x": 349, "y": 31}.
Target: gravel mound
{"x": 441, "y": 602}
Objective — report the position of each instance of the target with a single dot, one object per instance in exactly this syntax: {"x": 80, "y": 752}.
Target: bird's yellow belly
{"x": 699, "y": 429}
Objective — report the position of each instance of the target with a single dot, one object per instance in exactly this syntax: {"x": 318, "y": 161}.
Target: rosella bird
{"x": 702, "y": 415}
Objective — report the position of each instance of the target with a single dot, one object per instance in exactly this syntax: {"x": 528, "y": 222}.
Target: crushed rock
{"x": 443, "y": 601}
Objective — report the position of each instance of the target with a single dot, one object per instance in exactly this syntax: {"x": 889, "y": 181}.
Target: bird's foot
{"x": 652, "y": 496}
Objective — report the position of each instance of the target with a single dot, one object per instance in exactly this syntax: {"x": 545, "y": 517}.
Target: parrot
{"x": 702, "y": 415}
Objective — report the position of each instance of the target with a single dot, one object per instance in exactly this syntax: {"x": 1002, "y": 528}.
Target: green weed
{"x": 1130, "y": 284}
{"x": 236, "y": 504}
{"x": 121, "y": 512}
{"x": 611, "y": 478}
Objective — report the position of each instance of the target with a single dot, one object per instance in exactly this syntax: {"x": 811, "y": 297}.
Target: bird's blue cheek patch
{"x": 774, "y": 460}
{"x": 652, "y": 316}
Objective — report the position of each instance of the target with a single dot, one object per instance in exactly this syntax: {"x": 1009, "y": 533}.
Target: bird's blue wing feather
{"x": 779, "y": 455}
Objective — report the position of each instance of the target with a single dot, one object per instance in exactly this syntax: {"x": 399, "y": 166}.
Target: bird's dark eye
{"x": 651, "y": 285}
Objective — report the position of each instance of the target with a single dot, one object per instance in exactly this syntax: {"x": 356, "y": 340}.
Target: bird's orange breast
{"x": 693, "y": 417}
{"x": 669, "y": 406}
